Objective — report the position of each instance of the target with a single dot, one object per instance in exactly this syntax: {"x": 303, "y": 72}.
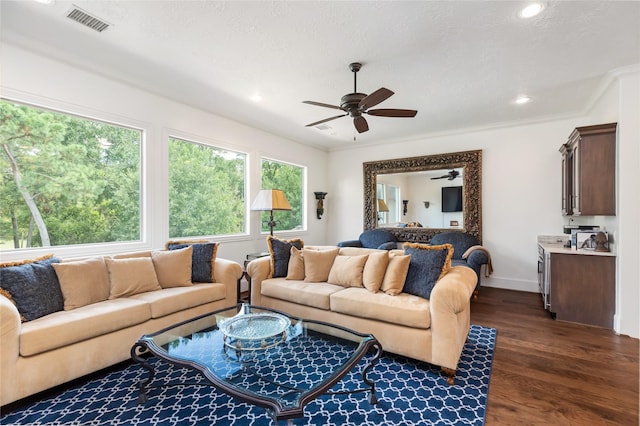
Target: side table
{"x": 245, "y": 275}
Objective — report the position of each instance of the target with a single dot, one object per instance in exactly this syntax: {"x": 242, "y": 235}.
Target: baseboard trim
{"x": 510, "y": 284}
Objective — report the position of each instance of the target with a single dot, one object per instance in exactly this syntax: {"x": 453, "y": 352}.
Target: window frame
{"x": 85, "y": 113}
{"x": 303, "y": 197}
{"x": 216, "y": 144}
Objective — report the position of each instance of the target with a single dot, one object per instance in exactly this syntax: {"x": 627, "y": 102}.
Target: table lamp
{"x": 270, "y": 200}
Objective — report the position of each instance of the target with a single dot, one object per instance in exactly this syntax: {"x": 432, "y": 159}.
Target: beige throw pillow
{"x": 396, "y": 274}
{"x": 173, "y": 267}
{"x": 131, "y": 276}
{"x": 347, "y": 270}
{"x": 296, "y": 265}
{"x": 83, "y": 282}
{"x": 317, "y": 264}
{"x": 374, "y": 270}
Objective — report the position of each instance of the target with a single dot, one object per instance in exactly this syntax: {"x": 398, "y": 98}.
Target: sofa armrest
{"x": 10, "y": 327}
{"x": 259, "y": 270}
{"x": 450, "y": 314}
{"x": 391, "y": 245}
{"x": 228, "y": 273}
{"x": 350, "y": 243}
{"x": 477, "y": 258}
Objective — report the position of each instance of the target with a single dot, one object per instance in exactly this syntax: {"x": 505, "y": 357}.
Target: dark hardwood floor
{"x": 548, "y": 372}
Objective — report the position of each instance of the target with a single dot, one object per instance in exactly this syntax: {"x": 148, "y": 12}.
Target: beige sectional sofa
{"x": 432, "y": 330}
{"x": 67, "y": 344}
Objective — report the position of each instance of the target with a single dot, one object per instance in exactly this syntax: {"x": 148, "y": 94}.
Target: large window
{"x": 66, "y": 179}
{"x": 290, "y": 179}
{"x": 206, "y": 190}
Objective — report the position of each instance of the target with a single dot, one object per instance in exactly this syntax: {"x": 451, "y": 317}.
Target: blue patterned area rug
{"x": 409, "y": 393}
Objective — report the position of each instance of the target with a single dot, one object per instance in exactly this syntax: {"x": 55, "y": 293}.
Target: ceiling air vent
{"x": 87, "y": 20}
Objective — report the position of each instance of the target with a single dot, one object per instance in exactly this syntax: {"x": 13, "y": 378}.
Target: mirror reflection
{"x": 428, "y": 198}
{"x": 415, "y": 198}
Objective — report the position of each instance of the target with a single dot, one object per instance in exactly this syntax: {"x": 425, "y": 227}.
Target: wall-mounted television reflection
{"x": 452, "y": 198}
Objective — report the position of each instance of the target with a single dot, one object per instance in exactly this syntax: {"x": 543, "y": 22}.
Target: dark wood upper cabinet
{"x": 588, "y": 171}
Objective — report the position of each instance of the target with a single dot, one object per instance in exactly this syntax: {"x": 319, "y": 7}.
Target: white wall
{"x": 627, "y": 319}
{"x": 521, "y": 183}
{"x": 39, "y": 80}
{"x": 520, "y": 166}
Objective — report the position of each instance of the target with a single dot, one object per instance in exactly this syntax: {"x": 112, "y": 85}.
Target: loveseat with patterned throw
{"x": 412, "y": 300}
{"x": 63, "y": 319}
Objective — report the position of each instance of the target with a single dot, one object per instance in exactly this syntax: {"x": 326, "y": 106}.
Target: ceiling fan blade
{"x": 375, "y": 98}
{"x": 440, "y": 177}
{"x": 321, "y": 104}
{"x": 361, "y": 124}
{"x": 390, "y": 112}
{"x": 325, "y": 120}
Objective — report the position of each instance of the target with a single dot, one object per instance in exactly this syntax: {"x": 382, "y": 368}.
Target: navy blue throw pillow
{"x": 33, "y": 287}
{"x": 203, "y": 258}
{"x": 427, "y": 265}
{"x": 280, "y": 251}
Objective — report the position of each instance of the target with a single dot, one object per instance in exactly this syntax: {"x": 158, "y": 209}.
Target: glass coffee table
{"x": 261, "y": 356}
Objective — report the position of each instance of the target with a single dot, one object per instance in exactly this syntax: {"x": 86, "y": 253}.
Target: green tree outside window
{"x": 206, "y": 190}
{"x": 290, "y": 179}
{"x": 66, "y": 180}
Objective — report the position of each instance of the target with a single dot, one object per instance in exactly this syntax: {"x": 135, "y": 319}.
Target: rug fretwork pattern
{"x": 409, "y": 393}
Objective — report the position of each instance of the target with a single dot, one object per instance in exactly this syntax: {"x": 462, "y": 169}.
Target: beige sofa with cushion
{"x": 109, "y": 302}
{"x": 433, "y": 330}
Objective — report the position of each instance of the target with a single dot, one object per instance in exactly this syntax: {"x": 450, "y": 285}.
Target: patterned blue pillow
{"x": 280, "y": 251}
{"x": 34, "y": 288}
{"x": 428, "y": 264}
{"x": 203, "y": 259}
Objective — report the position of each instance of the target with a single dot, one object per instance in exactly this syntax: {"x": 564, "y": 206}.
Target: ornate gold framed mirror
{"x": 471, "y": 164}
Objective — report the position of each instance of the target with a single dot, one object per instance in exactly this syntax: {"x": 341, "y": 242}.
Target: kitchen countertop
{"x": 555, "y": 244}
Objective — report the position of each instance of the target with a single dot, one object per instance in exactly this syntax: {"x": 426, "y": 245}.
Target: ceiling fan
{"x": 356, "y": 104}
{"x": 450, "y": 176}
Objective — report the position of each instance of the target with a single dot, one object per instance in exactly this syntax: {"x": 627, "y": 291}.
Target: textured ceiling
{"x": 460, "y": 64}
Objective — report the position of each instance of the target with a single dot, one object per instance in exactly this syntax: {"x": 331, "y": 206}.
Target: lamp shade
{"x": 270, "y": 199}
{"x": 382, "y": 206}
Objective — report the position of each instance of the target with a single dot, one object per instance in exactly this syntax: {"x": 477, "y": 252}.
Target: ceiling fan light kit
{"x": 356, "y": 104}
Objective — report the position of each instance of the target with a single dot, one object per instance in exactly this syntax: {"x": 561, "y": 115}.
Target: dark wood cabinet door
{"x": 583, "y": 288}
{"x": 588, "y": 171}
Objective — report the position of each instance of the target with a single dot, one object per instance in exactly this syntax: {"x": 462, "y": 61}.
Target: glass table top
{"x": 262, "y": 356}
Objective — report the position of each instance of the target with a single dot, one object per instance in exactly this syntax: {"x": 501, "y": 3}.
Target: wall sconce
{"x": 404, "y": 207}
{"x": 320, "y": 207}
{"x": 426, "y": 204}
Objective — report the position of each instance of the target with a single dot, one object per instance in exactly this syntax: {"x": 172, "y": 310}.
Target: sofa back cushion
{"x": 280, "y": 251}
{"x": 395, "y": 275}
{"x": 374, "y": 270}
{"x": 296, "y": 265}
{"x": 428, "y": 264}
{"x": 173, "y": 267}
{"x": 131, "y": 276}
{"x": 318, "y": 263}
{"x": 33, "y": 286}
{"x": 461, "y": 242}
{"x": 374, "y": 238}
{"x": 83, "y": 282}
{"x": 203, "y": 258}
{"x": 347, "y": 270}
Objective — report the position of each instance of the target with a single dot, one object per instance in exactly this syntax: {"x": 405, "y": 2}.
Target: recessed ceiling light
{"x": 523, "y": 100}
{"x": 532, "y": 10}
{"x": 45, "y": 1}
{"x": 256, "y": 98}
